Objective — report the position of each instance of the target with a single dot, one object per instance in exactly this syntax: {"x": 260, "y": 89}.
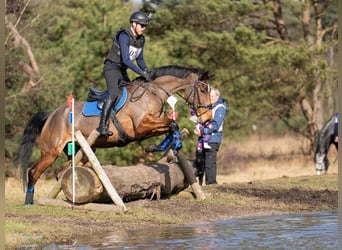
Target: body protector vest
{"x": 135, "y": 47}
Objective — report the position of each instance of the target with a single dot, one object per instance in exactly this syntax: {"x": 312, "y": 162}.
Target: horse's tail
{"x": 30, "y": 135}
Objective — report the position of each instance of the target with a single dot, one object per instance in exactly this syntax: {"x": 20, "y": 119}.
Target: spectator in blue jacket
{"x": 209, "y": 155}
{"x": 127, "y": 47}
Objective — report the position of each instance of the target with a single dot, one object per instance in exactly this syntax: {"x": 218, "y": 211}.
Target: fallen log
{"x": 131, "y": 182}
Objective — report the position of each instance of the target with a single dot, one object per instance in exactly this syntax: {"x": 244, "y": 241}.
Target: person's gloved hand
{"x": 147, "y": 75}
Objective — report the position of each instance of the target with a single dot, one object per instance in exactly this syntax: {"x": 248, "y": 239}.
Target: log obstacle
{"x": 96, "y": 184}
{"x": 157, "y": 180}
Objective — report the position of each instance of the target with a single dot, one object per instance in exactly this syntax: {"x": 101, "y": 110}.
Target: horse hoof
{"x": 29, "y": 198}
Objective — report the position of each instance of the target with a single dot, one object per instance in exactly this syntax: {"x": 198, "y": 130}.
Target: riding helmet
{"x": 140, "y": 17}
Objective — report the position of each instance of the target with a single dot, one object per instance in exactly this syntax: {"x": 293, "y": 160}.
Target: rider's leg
{"x": 105, "y": 114}
{"x": 113, "y": 75}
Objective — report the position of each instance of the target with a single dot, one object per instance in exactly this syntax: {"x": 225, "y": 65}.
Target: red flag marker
{"x": 70, "y": 100}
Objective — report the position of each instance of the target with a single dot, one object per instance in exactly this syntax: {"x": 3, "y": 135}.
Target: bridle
{"x": 195, "y": 97}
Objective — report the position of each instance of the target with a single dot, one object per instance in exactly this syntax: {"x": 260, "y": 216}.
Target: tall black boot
{"x": 105, "y": 114}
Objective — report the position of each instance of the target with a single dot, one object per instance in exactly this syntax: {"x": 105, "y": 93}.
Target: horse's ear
{"x": 211, "y": 76}
{"x": 207, "y": 76}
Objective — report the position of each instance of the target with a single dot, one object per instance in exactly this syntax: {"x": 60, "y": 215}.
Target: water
{"x": 316, "y": 230}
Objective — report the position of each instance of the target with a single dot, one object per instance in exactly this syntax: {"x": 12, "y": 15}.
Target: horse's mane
{"x": 176, "y": 71}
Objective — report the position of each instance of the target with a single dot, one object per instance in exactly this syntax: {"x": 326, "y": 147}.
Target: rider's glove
{"x": 146, "y": 74}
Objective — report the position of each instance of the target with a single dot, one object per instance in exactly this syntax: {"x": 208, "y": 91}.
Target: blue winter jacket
{"x": 219, "y": 112}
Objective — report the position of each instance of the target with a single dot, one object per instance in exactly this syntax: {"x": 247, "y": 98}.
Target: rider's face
{"x": 139, "y": 28}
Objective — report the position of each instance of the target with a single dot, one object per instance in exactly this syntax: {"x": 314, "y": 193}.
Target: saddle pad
{"x": 92, "y": 109}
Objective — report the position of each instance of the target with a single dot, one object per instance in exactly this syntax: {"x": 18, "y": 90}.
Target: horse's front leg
{"x": 155, "y": 125}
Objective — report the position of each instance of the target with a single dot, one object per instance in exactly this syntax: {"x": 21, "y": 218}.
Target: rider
{"x": 128, "y": 45}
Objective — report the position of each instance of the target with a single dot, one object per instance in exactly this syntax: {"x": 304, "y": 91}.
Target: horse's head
{"x": 198, "y": 97}
{"x": 191, "y": 83}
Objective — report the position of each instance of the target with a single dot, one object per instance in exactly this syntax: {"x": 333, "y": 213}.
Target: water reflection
{"x": 318, "y": 230}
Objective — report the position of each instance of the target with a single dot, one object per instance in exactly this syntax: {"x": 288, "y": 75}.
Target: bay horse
{"x": 141, "y": 116}
{"x": 327, "y": 136}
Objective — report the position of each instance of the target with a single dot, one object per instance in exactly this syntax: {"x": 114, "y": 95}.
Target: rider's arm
{"x": 141, "y": 60}
{"x": 124, "y": 50}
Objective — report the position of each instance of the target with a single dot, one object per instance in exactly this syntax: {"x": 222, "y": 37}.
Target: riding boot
{"x": 105, "y": 114}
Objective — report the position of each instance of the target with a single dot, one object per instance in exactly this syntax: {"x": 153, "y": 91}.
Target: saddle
{"x": 96, "y": 99}
{"x": 98, "y": 95}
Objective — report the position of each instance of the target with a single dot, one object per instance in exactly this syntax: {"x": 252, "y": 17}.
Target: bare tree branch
{"x": 18, "y": 20}
{"x": 273, "y": 40}
{"x": 31, "y": 70}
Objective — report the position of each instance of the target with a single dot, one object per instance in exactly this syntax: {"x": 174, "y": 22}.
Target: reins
{"x": 193, "y": 93}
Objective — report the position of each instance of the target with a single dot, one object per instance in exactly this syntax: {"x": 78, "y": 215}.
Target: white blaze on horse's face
{"x": 320, "y": 164}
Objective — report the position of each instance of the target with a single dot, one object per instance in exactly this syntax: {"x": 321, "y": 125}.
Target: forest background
{"x": 275, "y": 61}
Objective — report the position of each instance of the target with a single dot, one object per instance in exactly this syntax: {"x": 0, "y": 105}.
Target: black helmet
{"x": 140, "y": 17}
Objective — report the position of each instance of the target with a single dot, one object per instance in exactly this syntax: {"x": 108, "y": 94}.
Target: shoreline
{"x": 43, "y": 225}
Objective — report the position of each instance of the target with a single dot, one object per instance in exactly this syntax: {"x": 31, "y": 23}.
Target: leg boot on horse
{"x": 105, "y": 114}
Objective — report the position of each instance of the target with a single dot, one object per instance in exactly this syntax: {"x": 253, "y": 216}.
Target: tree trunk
{"x": 131, "y": 182}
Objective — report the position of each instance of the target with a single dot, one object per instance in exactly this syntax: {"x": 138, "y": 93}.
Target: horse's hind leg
{"x": 36, "y": 171}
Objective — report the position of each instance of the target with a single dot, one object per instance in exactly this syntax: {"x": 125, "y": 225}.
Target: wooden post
{"x": 99, "y": 171}
{"x": 78, "y": 157}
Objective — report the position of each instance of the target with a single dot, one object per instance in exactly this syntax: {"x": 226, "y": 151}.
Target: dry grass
{"x": 267, "y": 158}
{"x": 14, "y": 193}
{"x": 245, "y": 161}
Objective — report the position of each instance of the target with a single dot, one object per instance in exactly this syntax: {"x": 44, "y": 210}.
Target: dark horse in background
{"x": 327, "y": 136}
{"x": 141, "y": 116}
